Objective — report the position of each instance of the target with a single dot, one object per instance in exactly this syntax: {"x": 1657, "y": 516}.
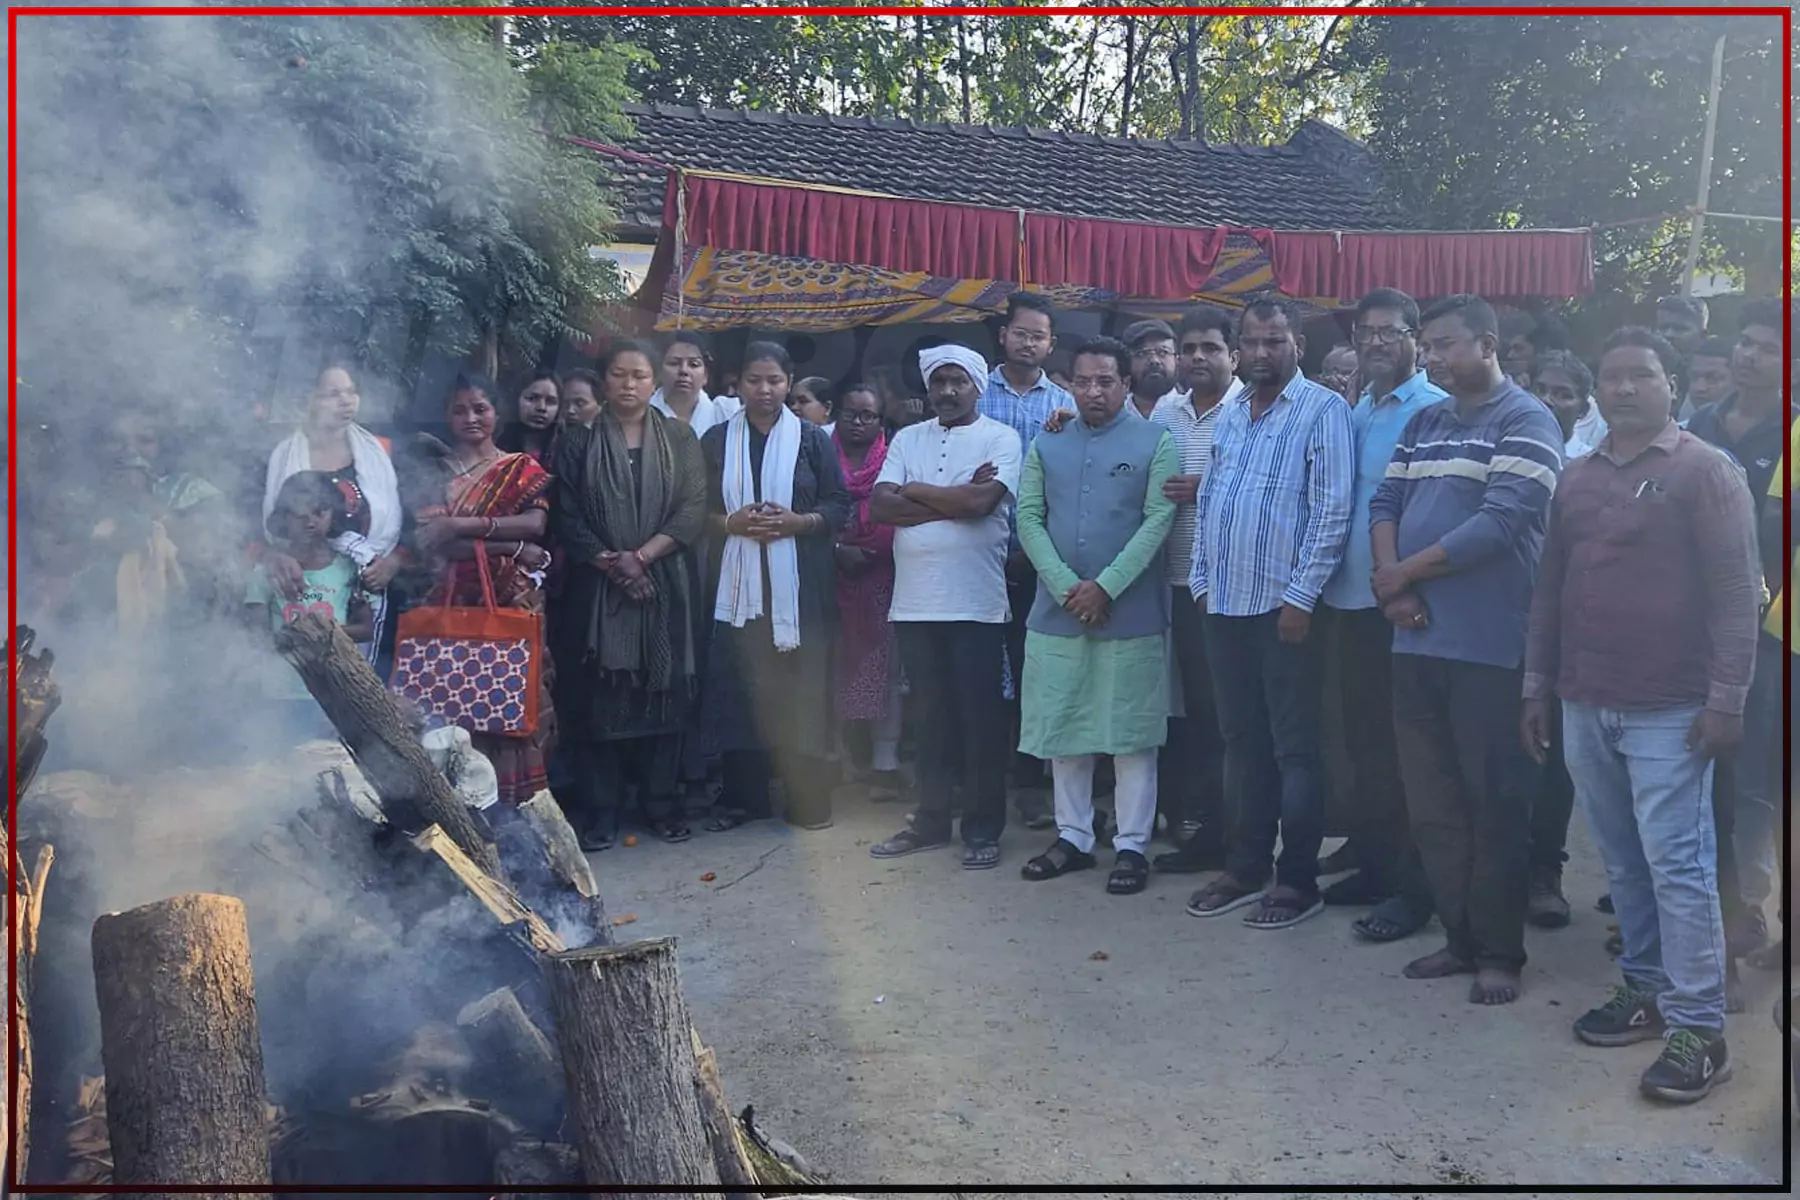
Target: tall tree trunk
{"x": 185, "y": 1100}
{"x": 1130, "y": 76}
{"x": 962, "y": 67}
{"x": 919, "y": 67}
{"x": 1087, "y": 73}
{"x": 1190, "y": 108}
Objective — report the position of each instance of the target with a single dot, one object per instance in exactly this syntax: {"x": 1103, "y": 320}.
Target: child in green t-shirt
{"x": 306, "y": 516}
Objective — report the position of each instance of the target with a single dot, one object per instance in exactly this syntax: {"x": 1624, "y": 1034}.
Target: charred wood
{"x": 413, "y": 792}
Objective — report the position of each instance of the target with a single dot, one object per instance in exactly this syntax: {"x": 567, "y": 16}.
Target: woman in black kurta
{"x": 767, "y": 708}
{"x": 631, "y": 508}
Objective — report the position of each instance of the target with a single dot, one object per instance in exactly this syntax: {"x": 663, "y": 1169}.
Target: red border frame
{"x": 11, "y": 1168}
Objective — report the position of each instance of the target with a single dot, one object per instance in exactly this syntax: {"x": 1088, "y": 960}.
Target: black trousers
{"x": 1190, "y": 773}
{"x": 1555, "y": 804}
{"x": 954, "y": 670}
{"x": 1379, "y": 828}
{"x": 1469, "y": 790}
{"x": 1268, "y": 692}
{"x": 601, "y": 774}
{"x": 806, "y": 782}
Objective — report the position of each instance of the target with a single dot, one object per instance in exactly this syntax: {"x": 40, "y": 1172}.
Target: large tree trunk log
{"x": 413, "y": 792}
{"x": 628, "y": 1054}
{"x": 184, "y": 1072}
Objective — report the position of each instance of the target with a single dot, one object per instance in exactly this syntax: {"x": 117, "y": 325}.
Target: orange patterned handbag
{"x": 473, "y": 667}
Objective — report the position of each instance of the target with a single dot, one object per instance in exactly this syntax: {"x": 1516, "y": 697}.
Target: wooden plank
{"x": 496, "y": 897}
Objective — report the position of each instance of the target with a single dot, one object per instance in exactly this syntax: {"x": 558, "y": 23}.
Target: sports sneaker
{"x": 1545, "y": 907}
{"x": 1629, "y": 1016}
{"x": 1691, "y": 1065}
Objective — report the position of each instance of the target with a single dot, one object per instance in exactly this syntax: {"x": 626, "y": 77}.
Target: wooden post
{"x": 628, "y": 1055}
{"x": 178, "y": 1035}
{"x": 413, "y": 792}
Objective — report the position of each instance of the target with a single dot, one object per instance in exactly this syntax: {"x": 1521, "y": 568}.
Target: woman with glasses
{"x": 868, "y": 669}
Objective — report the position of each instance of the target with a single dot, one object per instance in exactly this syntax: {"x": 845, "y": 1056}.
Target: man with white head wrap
{"x": 946, "y": 486}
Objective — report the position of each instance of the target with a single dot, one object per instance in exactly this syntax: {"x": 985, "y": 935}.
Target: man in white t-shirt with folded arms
{"x": 946, "y": 486}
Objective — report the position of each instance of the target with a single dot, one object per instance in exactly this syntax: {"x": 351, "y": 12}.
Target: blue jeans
{"x": 1268, "y": 695}
{"x": 1649, "y": 801}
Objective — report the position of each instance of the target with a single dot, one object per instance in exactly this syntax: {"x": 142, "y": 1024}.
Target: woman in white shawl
{"x": 777, "y": 499}
{"x": 359, "y": 463}
{"x": 682, "y": 380}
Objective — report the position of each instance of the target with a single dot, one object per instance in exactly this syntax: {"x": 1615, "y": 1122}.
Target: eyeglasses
{"x": 1027, "y": 336}
{"x": 1386, "y": 335}
{"x": 858, "y": 418}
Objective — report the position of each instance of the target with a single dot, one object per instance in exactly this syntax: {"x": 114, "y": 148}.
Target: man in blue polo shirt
{"x": 1457, "y": 528}
{"x": 1389, "y": 876}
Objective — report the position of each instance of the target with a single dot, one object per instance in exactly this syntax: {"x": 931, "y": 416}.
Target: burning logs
{"x": 35, "y": 697}
{"x": 413, "y": 792}
{"x": 184, "y": 1071}
{"x": 628, "y": 1056}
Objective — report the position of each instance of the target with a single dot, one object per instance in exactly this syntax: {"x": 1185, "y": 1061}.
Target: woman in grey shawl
{"x": 630, "y": 509}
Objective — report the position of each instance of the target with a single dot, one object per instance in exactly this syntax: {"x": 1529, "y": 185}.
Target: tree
{"x": 1580, "y": 120}
{"x": 382, "y": 181}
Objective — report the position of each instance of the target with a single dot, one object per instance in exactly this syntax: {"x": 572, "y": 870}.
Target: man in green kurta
{"x": 1093, "y": 520}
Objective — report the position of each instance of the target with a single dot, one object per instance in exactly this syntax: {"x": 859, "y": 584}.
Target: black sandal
{"x": 1130, "y": 874}
{"x": 726, "y": 820}
{"x": 1391, "y": 920}
{"x": 1060, "y": 859}
{"x": 673, "y": 831}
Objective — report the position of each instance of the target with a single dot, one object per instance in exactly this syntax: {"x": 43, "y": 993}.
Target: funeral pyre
{"x": 328, "y": 968}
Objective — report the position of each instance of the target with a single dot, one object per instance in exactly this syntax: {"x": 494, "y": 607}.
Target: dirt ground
{"x": 910, "y": 1022}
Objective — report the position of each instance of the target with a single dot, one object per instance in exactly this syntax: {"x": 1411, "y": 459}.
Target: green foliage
{"x": 1581, "y": 120}
{"x": 385, "y": 178}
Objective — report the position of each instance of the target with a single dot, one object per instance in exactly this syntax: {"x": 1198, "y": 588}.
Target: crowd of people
{"x": 1542, "y": 583}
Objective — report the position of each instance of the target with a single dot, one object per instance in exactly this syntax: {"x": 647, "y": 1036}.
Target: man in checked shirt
{"x": 1272, "y": 516}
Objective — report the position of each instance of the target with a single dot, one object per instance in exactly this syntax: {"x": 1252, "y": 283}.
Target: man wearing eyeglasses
{"x": 1389, "y": 875}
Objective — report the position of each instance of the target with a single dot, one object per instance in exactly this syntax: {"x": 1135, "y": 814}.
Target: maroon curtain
{"x": 957, "y": 241}
{"x": 1122, "y": 256}
{"x": 965, "y": 241}
{"x": 1345, "y": 266}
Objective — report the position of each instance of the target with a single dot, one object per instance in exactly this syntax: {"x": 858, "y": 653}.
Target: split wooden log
{"x": 729, "y": 1156}
{"x": 179, "y": 1040}
{"x": 413, "y": 792}
{"x": 29, "y": 911}
{"x": 628, "y": 1055}
{"x": 519, "y": 921}
{"x": 515, "y": 1055}
{"x": 36, "y": 697}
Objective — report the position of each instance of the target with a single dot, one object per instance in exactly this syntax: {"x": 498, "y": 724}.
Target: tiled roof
{"x": 1319, "y": 179}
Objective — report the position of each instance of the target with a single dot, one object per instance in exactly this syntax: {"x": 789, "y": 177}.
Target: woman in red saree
{"x": 868, "y": 684}
{"x": 500, "y": 501}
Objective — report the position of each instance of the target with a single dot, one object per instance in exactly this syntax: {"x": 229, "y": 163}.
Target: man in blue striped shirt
{"x": 1456, "y": 529}
{"x": 1020, "y": 394}
{"x": 1271, "y": 520}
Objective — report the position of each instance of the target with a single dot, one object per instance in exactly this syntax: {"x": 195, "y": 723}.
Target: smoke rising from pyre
{"x": 187, "y": 227}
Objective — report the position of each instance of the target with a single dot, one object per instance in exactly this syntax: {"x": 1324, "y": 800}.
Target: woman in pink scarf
{"x": 868, "y": 693}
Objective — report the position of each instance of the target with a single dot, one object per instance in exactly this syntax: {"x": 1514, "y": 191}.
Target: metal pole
{"x": 1692, "y": 261}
